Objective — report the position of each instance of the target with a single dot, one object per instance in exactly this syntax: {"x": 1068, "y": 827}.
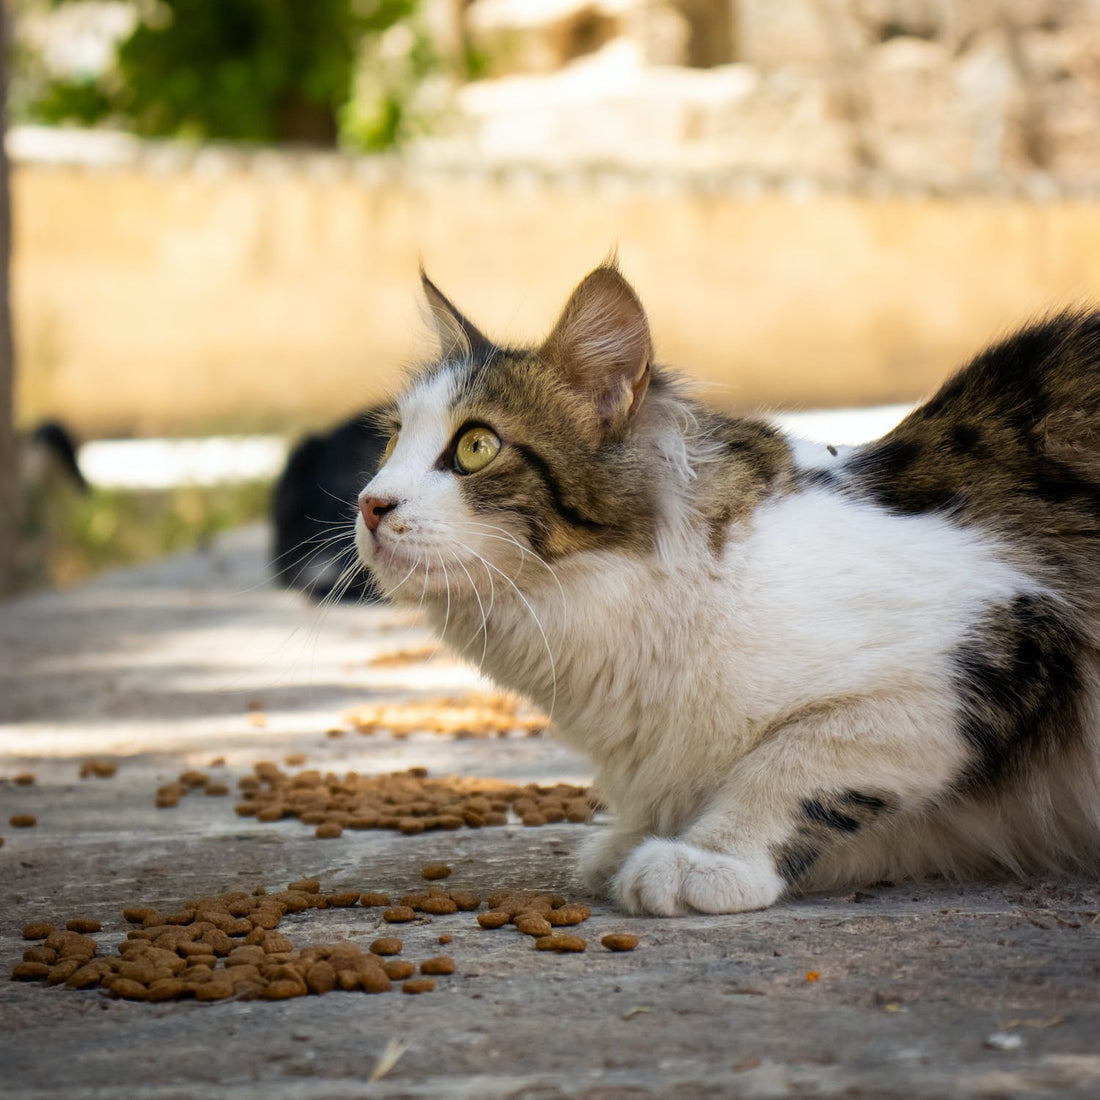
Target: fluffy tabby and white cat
{"x": 792, "y": 668}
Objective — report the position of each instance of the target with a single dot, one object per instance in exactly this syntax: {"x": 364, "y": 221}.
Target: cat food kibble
{"x": 441, "y": 964}
{"x": 399, "y": 914}
{"x": 39, "y": 930}
{"x": 418, "y": 985}
{"x": 22, "y": 821}
{"x": 24, "y": 779}
{"x": 445, "y": 938}
{"x": 387, "y": 945}
{"x": 399, "y": 969}
{"x": 432, "y": 871}
{"x": 620, "y": 941}
{"x": 328, "y": 830}
{"x": 495, "y": 918}
{"x": 560, "y": 942}
{"x": 374, "y": 900}
{"x": 83, "y": 925}
{"x": 531, "y": 924}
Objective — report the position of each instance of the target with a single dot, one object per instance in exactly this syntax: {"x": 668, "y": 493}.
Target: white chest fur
{"x": 668, "y": 674}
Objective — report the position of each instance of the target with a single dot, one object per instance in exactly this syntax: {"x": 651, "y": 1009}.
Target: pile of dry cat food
{"x": 228, "y": 947}
{"x": 408, "y": 801}
{"x": 475, "y": 714}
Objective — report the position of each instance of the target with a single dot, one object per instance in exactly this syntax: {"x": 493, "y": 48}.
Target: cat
{"x": 312, "y": 505}
{"x": 795, "y": 667}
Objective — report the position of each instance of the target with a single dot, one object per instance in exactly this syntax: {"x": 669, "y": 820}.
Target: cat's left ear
{"x": 602, "y": 345}
{"x": 458, "y": 336}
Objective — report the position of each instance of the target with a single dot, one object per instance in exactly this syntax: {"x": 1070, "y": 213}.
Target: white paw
{"x": 672, "y": 878}
{"x": 601, "y": 855}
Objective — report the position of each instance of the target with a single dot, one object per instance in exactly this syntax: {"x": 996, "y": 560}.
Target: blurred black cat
{"x": 314, "y": 505}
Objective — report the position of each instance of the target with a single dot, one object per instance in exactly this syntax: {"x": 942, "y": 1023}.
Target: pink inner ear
{"x": 601, "y": 343}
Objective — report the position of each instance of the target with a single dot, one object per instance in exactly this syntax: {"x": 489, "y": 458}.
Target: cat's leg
{"x": 814, "y": 787}
{"x": 603, "y": 852}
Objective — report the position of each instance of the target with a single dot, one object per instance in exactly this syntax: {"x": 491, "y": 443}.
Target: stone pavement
{"x": 917, "y": 986}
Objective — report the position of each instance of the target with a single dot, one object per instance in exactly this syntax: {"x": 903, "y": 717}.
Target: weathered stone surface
{"x": 905, "y": 990}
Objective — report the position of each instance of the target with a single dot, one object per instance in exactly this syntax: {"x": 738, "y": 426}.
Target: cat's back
{"x": 1011, "y": 443}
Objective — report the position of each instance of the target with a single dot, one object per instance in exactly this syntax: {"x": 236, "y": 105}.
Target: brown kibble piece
{"x": 433, "y": 871}
{"x": 30, "y": 971}
{"x": 164, "y": 989}
{"x": 445, "y": 938}
{"x": 466, "y": 900}
{"x": 494, "y": 918}
{"x": 218, "y": 988}
{"x": 418, "y": 985}
{"x": 25, "y": 779}
{"x": 560, "y": 942}
{"x": 374, "y": 900}
{"x": 344, "y": 899}
{"x": 328, "y": 830}
{"x": 438, "y": 906}
{"x": 135, "y": 914}
{"x": 387, "y": 945}
{"x": 128, "y": 989}
{"x": 375, "y": 981}
{"x": 39, "y": 930}
{"x": 441, "y": 964}
{"x": 399, "y": 914}
{"x": 620, "y": 941}
{"x": 568, "y": 914}
{"x": 64, "y": 970}
{"x": 399, "y": 969}
{"x": 216, "y": 790}
{"x": 321, "y": 977}
{"x": 22, "y": 821}
{"x": 531, "y": 924}
{"x": 282, "y": 989}
{"x": 533, "y": 820}
{"x": 82, "y": 925}
{"x": 294, "y": 759}
{"x": 306, "y": 886}
{"x": 40, "y": 954}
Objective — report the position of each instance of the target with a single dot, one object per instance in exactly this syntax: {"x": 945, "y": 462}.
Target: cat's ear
{"x": 458, "y": 336}
{"x": 602, "y": 345}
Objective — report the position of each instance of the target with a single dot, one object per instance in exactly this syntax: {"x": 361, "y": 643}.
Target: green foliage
{"x": 68, "y": 536}
{"x": 249, "y": 70}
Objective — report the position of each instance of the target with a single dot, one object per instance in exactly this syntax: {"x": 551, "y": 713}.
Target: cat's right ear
{"x": 602, "y": 345}
{"x": 458, "y": 336}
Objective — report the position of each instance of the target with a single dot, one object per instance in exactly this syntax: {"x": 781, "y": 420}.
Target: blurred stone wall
{"x": 161, "y": 288}
{"x": 945, "y": 92}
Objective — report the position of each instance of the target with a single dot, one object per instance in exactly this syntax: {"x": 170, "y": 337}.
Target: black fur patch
{"x": 823, "y": 821}
{"x": 1019, "y": 683}
{"x": 553, "y": 489}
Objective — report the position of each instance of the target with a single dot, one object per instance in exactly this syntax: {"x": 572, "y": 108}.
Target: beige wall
{"x": 253, "y": 292}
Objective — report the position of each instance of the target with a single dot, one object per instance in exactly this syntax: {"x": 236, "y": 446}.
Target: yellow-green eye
{"x": 475, "y": 449}
{"x": 389, "y": 449}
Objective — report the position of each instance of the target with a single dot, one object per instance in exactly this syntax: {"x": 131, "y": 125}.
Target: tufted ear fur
{"x": 458, "y": 337}
{"x": 601, "y": 343}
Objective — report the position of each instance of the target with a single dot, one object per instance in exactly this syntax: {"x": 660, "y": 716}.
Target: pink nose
{"x": 374, "y": 509}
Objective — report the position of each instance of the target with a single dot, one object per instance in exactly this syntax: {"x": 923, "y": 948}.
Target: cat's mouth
{"x": 402, "y": 567}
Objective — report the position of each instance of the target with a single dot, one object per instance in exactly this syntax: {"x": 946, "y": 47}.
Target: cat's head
{"x": 499, "y": 454}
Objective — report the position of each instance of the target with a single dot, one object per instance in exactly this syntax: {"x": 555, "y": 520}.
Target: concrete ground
{"x": 922, "y": 990}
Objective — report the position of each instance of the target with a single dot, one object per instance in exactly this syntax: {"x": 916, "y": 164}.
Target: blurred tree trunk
{"x": 9, "y": 486}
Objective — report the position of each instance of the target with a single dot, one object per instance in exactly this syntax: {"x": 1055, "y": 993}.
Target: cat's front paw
{"x": 672, "y": 878}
